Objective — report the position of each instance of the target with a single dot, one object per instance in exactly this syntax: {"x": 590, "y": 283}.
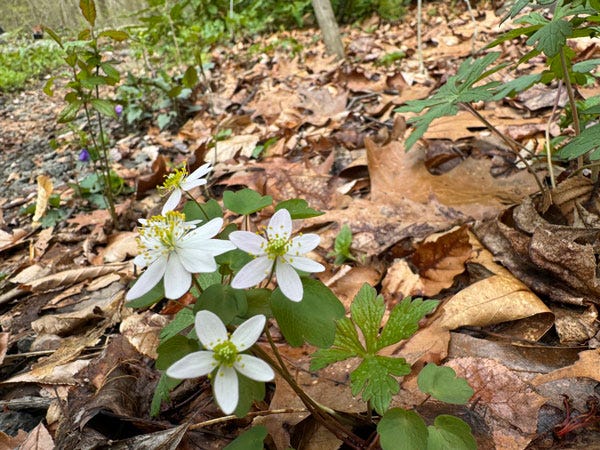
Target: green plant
{"x": 229, "y": 273}
{"x": 547, "y": 31}
{"x": 341, "y": 246}
{"x": 24, "y": 61}
{"x": 55, "y": 214}
{"x": 89, "y": 72}
{"x": 389, "y": 59}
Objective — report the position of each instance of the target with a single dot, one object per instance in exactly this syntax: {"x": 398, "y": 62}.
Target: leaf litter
{"x": 523, "y": 333}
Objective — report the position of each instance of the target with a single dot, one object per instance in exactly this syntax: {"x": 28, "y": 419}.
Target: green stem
{"x": 191, "y": 197}
{"x": 320, "y": 413}
{"x": 513, "y": 145}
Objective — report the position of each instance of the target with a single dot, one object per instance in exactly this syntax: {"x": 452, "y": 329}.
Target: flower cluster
{"x": 173, "y": 249}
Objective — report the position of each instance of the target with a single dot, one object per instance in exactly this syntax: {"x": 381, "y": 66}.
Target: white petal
{"x": 140, "y": 261}
{"x": 249, "y": 242}
{"x": 252, "y": 273}
{"x": 304, "y": 264}
{"x": 226, "y": 389}
{"x": 209, "y": 329}
{"x": 203, "y": 233}
{"x": 254, "y": 368}
{"x": 196, "y": 262}
{"x": 171, "y": 202}
{"x": 187, "y": 185}
{"x": 289, "y": 281}
{"x": 148, "y": 279}
{"x": 193, "y": 365}
{"x": 248, "y": 332}
{"x": 177, "y": 279}
{"x": 280, "y": 225}
{"x": 200, "y": 172}
{"x": 219, "y": 246}
{"x": 303, "y": 244}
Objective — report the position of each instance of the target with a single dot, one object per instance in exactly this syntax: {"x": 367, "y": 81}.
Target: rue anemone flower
{"x": 179, "y": 181}
{"x": 279, "y": 249}
{"x": 174, "y": 249}
{"x": 223, "y": 355}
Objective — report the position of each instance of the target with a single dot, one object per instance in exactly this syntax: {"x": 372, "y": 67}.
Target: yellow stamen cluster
{"x": 173, "y": 181}
{"x": 277, "y": 247}
{"x": 161, "y": 233}
{"x": 226, "y": 353}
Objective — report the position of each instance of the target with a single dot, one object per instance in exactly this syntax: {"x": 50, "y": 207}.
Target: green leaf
{"x": 374, "y": 381}
{"x": 449, "y": 432}
{"x": 193, "y": 211}
{"x": 190, "y": 78}
{"x": 458, "y": 89}
{"x": 246, "y": 201}
{"x": 48, "y": 87}
{"x": 298, "y": 208}
{"x": 174, "y": 349}
{"x": 55, "y": 37}
{"x": 312, "y": 319}
{"x": 110, "y": 71}
{"x": 182, "y": 320}
{"x": 250, "y": 391}
{"x": 224, "y": 301}
{"x": 115, "y": 35}
{"x": 516, "y": 86}
{"x": 258, "y": 302}
{"x": 326, "y": 356}
{"x": 551, "y": 37}
{"x": 342, "y": 244}
{"x": 151, "y": 297}
{"x": 587, "y": 141}
{"x": 252, "y": 439}
{"x": 88, "y": 9}
{"x": 345, "y": 345}
{"x": 399, "y": 429}
{"x": 404, "y": 320}
{"x": 163, "y": 120}
{"x": 367, "y": 311}
{"x": 586, "y": 66}
{"x": 161, "y": 392}
{"x": 104, "y": 107}
{"x": 442, "y": 383}
{"x": 69, "y": 113}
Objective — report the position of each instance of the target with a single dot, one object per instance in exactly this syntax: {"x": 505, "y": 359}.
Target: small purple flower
{"x": 118, "y": 109}
{"x": 84, "y": 155}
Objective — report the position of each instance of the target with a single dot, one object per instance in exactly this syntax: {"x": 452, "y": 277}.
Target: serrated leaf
{"x": 173, "y": 350}
{"x": 313, "y": 319}
{"x": 104, "y": 107}
{"x": 115, "y": 35}
{"x": 298, "y": 208}
{"x": 449, "y": 432}
{"x": 182, "y": 320}
{"x": 367, "y": 311}
{"x": 252, "y": 439}
{"x": 345, "y": 345}
{"x": 161, "y": 392}
{"x": 404, "y": 320}
{"x": 442, "y": 383}
{"x": 374, "y": 381}
{"x": 110, "y": 71}
{"x": 400, "y": 429}
{"x": 326, "y": 356}
{"x": 246, "y": 201}
{"x": 551, "y": 37}
{"x": 88, "y": 9}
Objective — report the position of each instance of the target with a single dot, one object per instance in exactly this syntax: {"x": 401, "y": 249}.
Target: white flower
{"x": 279, "y": 250}
{"x": 174, "y": 249}
{"x": 223, "y": 353}
{"x": 177, "y": 183}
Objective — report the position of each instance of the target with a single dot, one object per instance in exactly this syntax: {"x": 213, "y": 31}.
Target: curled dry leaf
{"x": 587, "y": 366}
{"x": 39, "y": 438}
{"x": 142, "y": 331}
{"x": 45, "y": 188}
{"x": 70, "y": 277}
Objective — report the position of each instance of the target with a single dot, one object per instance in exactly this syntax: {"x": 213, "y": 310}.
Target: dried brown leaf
{"x": 143, "y": 330}
{"x": 70, "y": 277}
{"x": 45, "y": 188}
{"x": 39, "y": 439}
{"x": 587, "y": 366}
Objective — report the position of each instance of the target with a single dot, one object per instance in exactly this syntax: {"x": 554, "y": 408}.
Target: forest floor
{"x": 456, "y": 218}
